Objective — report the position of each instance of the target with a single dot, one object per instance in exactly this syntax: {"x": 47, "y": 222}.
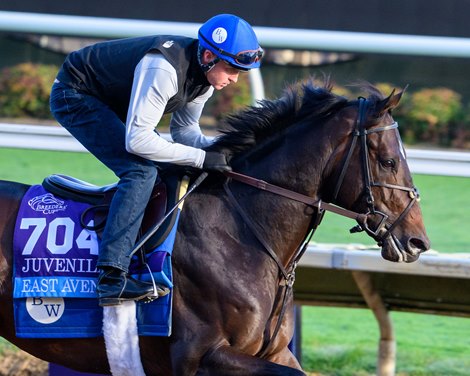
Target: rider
{"x": 111, "y": 95}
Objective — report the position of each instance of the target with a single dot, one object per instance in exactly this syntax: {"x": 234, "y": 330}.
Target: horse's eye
{"x": 388, "y": 163}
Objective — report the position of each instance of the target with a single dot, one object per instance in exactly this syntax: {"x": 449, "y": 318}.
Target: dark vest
{"x": 106, "y": 70}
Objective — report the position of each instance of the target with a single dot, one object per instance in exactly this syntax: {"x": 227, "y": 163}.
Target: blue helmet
{"x": 233, "y": 40}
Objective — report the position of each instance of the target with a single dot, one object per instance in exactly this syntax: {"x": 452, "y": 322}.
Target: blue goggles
{"x": 243, "y": 58}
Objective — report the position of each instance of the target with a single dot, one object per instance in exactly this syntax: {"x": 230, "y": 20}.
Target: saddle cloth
{"x": 55, "y": 271}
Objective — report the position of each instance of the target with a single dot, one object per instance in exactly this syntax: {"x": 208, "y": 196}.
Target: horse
{"x": 241, "y": 235}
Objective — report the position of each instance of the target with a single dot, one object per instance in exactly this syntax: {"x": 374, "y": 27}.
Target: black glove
{"x": 215, "y": 161}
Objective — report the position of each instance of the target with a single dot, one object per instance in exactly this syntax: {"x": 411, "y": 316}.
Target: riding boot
{"x": 115, "y": 286}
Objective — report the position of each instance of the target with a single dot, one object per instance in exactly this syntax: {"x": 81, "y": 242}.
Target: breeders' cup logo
{"x": 47, "y": 204}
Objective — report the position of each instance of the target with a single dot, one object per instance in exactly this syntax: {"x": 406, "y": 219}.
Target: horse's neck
{"x": 282, "y": 222}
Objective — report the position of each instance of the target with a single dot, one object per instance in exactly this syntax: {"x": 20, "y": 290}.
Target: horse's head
{"x": 371, "y": 177}
{"x": 333, "y": 150}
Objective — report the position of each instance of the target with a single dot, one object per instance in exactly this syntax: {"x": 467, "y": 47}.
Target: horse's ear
{"x": 390, "y": 102}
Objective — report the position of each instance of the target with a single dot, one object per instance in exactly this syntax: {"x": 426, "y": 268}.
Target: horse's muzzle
{"x": 395, "y": 250}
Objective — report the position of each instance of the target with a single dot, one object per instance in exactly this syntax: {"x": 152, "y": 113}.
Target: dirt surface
{"x": 19, "y": 363}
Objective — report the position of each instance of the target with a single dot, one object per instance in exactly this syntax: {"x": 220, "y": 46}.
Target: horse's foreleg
{"x": 229, "y": 362}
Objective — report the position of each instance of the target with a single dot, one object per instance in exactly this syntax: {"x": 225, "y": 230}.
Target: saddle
{"x": 164, "y": 195}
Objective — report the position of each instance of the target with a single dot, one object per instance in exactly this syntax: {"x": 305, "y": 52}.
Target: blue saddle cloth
{"x": 55, "y": 272}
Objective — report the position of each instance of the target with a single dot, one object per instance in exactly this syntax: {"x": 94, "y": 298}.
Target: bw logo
{"x": 45, "y": 310}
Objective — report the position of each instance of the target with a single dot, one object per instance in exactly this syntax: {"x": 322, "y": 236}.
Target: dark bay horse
{"x": 238, "y": 244}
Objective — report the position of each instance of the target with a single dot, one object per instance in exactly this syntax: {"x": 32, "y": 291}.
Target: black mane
{"x": 246, "y": 129}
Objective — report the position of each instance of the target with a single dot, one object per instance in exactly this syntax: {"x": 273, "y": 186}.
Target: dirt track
{"x": 19, "y": 363}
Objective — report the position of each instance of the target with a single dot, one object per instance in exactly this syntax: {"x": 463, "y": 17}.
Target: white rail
{"x": 434, "y": 162}
{"x": 268, "y": 36}
{"x": 40, "y": 137}
{"x": 431, "y": 162}
{"x": 355, "y": 257}
{"x": 102, "y": 27}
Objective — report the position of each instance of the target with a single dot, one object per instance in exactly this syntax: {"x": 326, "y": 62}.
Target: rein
{"x": 381, "y": 232}
{"x": 307, "y": 200}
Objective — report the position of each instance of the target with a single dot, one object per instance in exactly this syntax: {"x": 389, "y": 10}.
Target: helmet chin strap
{"x": 206, "y": 67}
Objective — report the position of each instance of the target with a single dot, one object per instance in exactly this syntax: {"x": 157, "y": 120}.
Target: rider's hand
{"x": 215, "y": 161}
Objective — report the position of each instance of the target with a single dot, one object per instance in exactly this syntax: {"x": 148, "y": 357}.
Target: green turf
{"x": 345, "y": 341}
{"x": 31, "y": 166}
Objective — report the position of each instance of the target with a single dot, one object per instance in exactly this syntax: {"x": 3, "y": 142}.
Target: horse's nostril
{"x": 415, "y": 243}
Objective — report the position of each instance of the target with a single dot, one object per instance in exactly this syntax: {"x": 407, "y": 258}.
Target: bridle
{"x": 382, "y": 230}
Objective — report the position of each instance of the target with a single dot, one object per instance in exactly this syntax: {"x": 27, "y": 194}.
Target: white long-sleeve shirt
{"x": 155, "y": 82}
